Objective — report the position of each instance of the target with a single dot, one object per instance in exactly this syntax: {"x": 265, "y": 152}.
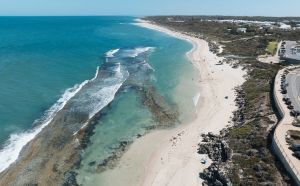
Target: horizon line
{"x": 152, "y": 15}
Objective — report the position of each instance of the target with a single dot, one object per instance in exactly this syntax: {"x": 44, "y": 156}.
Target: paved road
{"x": 293, "y": 89}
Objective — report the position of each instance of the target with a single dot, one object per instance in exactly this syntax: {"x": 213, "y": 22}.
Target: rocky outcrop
{"x": 216, "y": 148}
{"x": 239, "y": 114}
{"x": 214, "y": 176}
{"x": 218, "y": 151}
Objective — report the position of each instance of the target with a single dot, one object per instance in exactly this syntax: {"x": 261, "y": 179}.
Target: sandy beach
{"x": 169, "y": 157}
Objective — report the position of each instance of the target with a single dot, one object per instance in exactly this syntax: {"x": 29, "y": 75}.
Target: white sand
{"x": 169, "y": 157}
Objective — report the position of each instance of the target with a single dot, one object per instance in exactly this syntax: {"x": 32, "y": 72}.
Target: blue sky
{"x": 151, "y": 7}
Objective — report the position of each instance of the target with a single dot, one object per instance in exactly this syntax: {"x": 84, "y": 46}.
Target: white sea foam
{"x": 107, "y": 94}
{"x": 112, "y": 52}
{"x": 149, "y": 66}
{"x": 118, "y": 70}
{"x": 97, "y": 72}
{"x": 16, "y": 142}
{"x": 135, "y": 52}
{"x": 99, "y": 98}
{"x": 196, "y": 99}
{"x": 103, "y": 96}
{"x": 142, "y": 50}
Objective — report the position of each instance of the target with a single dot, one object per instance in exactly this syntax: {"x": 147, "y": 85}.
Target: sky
{"x": 150, "y": 7}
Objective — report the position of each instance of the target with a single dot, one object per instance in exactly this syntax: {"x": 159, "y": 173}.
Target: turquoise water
{"x": 41, "y": 57}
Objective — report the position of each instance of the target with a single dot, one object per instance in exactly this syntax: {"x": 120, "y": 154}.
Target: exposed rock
{"x": 214, "y": 176}
{"x": 217, "y": 149}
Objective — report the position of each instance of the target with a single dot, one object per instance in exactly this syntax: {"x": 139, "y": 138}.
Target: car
{"x": 288, "y": 102}
{"x": 295, "y": 147}
{"x": 285, "y": 99}
{"x": 290, "y": 107}
{"x": 284, "y": 85}
{"x": 294, "y": 113}
{"x": 297, "y": 154}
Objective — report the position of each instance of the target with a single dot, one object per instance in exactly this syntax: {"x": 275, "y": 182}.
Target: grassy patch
{"x": 247, "y": 162}
{"x": 259, "y": 142}
{"x": 272, "y": 47}
{"x": 240, "y": 132}
{"x": 259, "y": 84}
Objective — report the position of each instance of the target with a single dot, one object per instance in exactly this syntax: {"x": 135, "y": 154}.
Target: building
{"x": 289, "y": 51}
{"x": 241, "y": 30}
{"x": 284, "y": 26}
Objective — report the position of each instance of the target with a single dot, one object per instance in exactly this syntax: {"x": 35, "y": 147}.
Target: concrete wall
{"x": 284, "y": 161}
{"x": 291, "y": 61}
{"x": 275, "y": 145}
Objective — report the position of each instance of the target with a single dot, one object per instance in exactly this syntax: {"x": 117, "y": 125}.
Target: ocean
{"x": 103, "y": 68}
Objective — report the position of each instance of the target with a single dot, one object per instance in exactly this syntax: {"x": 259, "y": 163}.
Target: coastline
{"x": 169, "y": 157}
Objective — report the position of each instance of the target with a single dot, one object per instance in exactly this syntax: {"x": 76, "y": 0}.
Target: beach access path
{"x": 169, "y": 157}
{"x": 291, "y": 163}
{"x": 270, "y": 59}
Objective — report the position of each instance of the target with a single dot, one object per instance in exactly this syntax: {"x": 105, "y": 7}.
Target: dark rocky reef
{"x": 111, "y": 161}
{"x": 162, "y": 112}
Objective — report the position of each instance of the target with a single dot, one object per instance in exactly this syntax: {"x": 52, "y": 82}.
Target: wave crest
{"x": 16, "y": 142}
{"x": 111, "y": 53}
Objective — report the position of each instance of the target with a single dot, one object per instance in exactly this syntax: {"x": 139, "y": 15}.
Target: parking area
{"x": 290, "y": 88}
{"x": 286, "y": 94}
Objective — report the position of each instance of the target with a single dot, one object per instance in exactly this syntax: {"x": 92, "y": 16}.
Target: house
{"x": 284, "y": 26}
{"x": 266, "y": 26}
{"x": 241, "y": 30}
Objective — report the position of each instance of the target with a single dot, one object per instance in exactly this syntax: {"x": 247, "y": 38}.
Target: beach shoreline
{"x": 169, "y": 157}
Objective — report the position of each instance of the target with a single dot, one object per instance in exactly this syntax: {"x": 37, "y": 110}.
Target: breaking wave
{"x": 16, "y": 142}
{"x": 112, "y": 52}
{"x": 136, "y": 51}
{"x": 89, "y": 97}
